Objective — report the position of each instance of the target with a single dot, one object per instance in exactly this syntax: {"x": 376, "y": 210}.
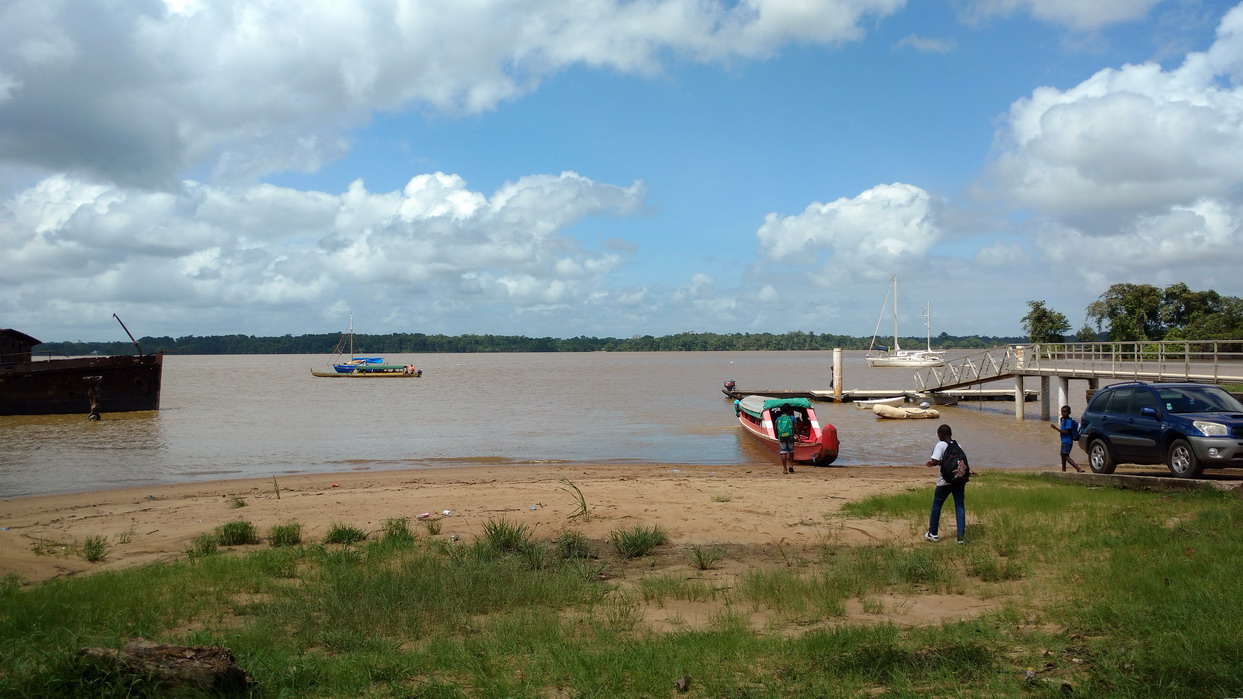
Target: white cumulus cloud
{"x": 138, "y": 93}
{"x": 877, "y": 228}
{"x": 1136, "y": 170}
{"x": 287, "y": 255}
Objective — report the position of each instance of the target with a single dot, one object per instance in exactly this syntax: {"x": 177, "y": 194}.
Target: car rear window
{"x": 1142, "y": 398}
{"x": 1101, "y": 402}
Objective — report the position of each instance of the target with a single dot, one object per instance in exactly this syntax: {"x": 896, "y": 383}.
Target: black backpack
{"x": 954, "y": 467}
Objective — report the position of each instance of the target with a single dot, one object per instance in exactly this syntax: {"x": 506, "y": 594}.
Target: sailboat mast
{"x": 895, "y": 313}
{"x": 928, "y": 323}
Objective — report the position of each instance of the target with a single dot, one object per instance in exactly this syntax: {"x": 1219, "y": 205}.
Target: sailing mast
{"x": 928, "y": 323}
{"x": 895, "y": 314}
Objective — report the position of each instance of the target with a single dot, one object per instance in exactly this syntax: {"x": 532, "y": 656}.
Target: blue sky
{"x": 609, "y": 168}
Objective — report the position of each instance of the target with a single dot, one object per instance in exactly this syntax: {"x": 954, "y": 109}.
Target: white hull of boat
{"x": 867, "y": 404}
{"x": 905, "y": 358}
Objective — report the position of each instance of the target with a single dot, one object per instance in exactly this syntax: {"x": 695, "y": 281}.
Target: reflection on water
{"x": 263, "y": 415}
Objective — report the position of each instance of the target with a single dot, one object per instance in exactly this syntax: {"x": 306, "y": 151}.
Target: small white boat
{"x": 868, "y": 403}
{"x": 904, "y": 413}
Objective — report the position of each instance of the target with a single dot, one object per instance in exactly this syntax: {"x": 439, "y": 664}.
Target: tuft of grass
{"x": 237, "y": 533}
{"x": 432, "y": 526}
{"x": 722, "y": 498}
{"x": 705, "y": 557}
{"x": 990, "y": 568}
{"x": 237, "y": 502}
{"x": 397, "y": 529}
{"x": 340, "y": 533}
{"x": 95, "y": 548}
{"x": 658, "y": 588}
{"x": 203, "y": 545}
{"x": 47, "y": 547}
{"x": 504, "y": 536}
{"x": 573, "y": 544}
{"x": 281, "y": 535}
{"x": 9, "y": 584}
{"x": 537, "y": 556}
{"x": 581, "y": 509}
{"x": 638, "y": 540}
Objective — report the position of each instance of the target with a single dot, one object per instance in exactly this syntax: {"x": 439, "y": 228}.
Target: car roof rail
{"x": 1127, "y": 383}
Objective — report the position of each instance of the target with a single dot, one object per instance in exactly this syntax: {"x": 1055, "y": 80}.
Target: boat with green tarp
{"x": 814, "y": 443}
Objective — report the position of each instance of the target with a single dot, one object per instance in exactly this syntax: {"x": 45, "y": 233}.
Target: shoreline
{"x": 694, "y": 504}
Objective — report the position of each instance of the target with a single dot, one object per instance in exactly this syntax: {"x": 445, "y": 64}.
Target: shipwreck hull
{"x": 116, "y": 384}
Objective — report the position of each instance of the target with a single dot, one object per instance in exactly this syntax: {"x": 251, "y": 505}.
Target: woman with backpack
{"x": 952, "y": 477}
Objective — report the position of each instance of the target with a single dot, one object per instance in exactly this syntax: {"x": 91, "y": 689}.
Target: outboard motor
{"x": 729, "y": 385}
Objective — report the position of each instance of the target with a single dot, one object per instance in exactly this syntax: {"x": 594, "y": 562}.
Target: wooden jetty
{"x": 849, "y": 396}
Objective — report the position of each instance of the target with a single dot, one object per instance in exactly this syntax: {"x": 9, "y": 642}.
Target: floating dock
{"x": 951, "y": 397}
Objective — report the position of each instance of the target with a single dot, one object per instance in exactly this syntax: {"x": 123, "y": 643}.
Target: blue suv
{"x": 1187, "y": 426}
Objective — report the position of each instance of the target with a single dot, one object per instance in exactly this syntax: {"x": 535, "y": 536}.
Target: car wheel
{"x": 1182, "y": 460}
{"x": 1099, "y": 458}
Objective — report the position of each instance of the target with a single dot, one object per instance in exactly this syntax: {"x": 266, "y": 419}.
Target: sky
{"x": 609, "y": 168}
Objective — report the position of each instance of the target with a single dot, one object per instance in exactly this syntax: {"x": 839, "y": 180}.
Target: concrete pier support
{"x": 1063, "y": 392}
{"x": 1044, "y": 398}
{"x": 1018, "y": 398}
{"x": 835, "y": 379}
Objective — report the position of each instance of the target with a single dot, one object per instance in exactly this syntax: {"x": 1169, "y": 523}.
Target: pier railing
{"x": 1207, "y": 361}
{"x": 983, "y": 367}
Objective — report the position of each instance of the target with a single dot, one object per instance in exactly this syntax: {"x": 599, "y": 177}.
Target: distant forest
{"x": 398, "y": 343}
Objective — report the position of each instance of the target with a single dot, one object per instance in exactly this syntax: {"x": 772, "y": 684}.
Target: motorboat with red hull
{"x": 814, "y": 443}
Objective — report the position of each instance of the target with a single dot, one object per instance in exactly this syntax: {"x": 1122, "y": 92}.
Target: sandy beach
{"x": 755, "y": 509}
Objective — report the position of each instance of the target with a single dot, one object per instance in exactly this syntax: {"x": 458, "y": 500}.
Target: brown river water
{"x": 242, "y": 416}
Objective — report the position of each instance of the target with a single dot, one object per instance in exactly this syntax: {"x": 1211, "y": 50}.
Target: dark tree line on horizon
{"x": 1125, "y": 312}
{"x": 418, "y": 343}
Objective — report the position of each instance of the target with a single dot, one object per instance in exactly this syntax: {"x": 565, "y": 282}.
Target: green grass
{"x": 397, "y": 530}
{"x": 340, "y": 533}
{"x": 504, "y": 536}
{"x": 203, "y": 545}
{"x": 237, "y": 533}
{"x": 573, "y": 544}
{"x": 638, "y": 540}
{"x": 705, "y": 557}
{"x": 95, "y": 548}
{"x": 285, "y": 535}
{"x": 1118, "y": 593}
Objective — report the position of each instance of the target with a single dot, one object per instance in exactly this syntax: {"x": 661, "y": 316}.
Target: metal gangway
{"x": 1202, "y": 361}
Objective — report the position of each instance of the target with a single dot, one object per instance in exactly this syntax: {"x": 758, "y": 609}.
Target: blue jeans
{"x": 960, "y": 508}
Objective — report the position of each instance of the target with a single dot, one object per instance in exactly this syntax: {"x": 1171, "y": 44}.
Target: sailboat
{"x": 896, "y": 356}
{"x": 362, "y": 367}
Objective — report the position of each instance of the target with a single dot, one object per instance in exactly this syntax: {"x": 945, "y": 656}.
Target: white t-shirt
{"x": 937, "y": 452}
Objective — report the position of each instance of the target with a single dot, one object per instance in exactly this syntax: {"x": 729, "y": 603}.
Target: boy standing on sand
{"x": 785, "y": 436}
{"x": 1067, "y": 427}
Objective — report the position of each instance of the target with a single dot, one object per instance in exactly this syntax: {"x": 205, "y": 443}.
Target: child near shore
{"x": 1068, "y": 429}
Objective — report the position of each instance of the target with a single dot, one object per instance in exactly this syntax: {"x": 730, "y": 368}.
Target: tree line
{"x": 1140, "y": 312}
{"x": 400, "y": 343}
{"x": 1124, "y": 313}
